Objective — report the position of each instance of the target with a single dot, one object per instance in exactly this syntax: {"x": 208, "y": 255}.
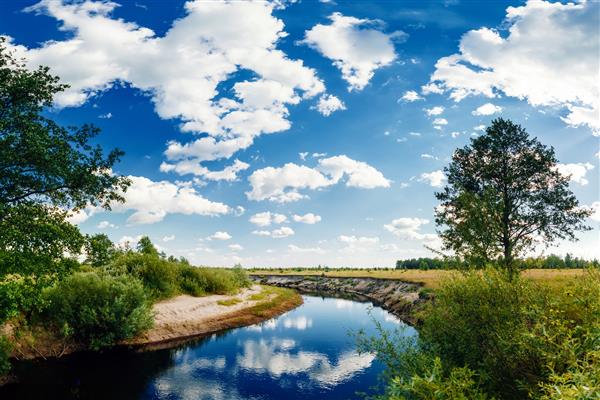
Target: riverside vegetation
{"x": 45, "y": 292}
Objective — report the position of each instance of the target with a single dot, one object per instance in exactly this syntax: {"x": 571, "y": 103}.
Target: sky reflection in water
{"x": 305, "y": 354}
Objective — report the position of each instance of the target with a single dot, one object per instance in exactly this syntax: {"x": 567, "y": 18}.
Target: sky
{"x": 299, "y": 133}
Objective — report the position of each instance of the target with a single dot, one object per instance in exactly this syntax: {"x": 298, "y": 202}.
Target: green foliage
{"x": 458, "y": 384}
{"x": 99, "y": 249}
{"x": 145, "y": 246}
{"x": 40, "y": 161}
{"x": 5, "y": 348}
{"x": 22, "y": 294}
{"x": 507, "y": 339}
{"x": 166, "y": 277}
{"x": 34, "y": 239}
{"x": 97, "y": 309}
{"x": 551, "y": 261}
{"x": 505, "y": 195}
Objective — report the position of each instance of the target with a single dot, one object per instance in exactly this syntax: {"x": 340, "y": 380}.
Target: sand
{"x": 186, "y": 316}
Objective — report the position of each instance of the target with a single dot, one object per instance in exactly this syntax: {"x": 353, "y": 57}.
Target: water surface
{"x": 307, "y": 353}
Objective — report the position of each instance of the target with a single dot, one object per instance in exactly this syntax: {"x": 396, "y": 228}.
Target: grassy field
{"x": 430, "y": 278}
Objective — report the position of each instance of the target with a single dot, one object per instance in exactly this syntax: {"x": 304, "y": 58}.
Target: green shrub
{"x": 192, "y": 281}
{"x": 508, "y": 340}
{"x": 97, "y": 309}
{"x": 22, "y": 294}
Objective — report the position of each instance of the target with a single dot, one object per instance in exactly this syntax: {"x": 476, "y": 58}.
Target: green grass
{"x": 429, "y": 278}
{"x": 229, "y": 302}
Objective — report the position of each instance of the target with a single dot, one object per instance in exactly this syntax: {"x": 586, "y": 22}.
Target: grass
{"x": 229, "y": 302}
{"x": 429, "y": 278}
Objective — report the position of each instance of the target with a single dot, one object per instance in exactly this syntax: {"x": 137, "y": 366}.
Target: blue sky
{"x": 311, "y": 132}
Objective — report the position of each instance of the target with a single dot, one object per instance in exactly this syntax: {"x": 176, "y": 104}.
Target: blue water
{"x": 307, "y": 353}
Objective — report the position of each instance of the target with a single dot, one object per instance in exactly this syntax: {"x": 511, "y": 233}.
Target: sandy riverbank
{"x": 185, "y": 316}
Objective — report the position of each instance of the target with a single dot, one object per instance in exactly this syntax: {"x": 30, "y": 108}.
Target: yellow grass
{"x": 431, "y": 278}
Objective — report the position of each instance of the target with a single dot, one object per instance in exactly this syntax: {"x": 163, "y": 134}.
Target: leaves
{"x": 504, "y": 196}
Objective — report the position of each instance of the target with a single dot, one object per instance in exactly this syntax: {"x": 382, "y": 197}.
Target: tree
{"x": 100, "y": 250}
{"x": 504, "y": 195}
{"x": 45, "y": 169}
{"x": 145, "y": 246}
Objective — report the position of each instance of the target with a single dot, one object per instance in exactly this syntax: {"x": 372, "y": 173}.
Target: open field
{"x": 429, "y": 278}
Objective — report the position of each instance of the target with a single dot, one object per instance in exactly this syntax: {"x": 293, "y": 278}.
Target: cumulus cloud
{"x": 308, "y": 218}
{"x": 168, "y": 238}
{"x": 105, "y": 225}
{"x": 184, "y": 167}
{"x": 434, "y": 178}
{"x": 182, "y": 70}
{"x": 267, "y": 218}
{"x": 487, "y": 109}
{"x": 410, "y": 96}
{"x": 357, "y": 46}
{"x": 152, "y": 201}
{"x": 235, "y": 247}
{"x": 408, "y": 228}
{"x": 328, "y": 104}
{"x": 219, "y": 235}
{"x": 439, "y": 122}
{"x": 521, "y": 64}
{"x": 576, "y": 172}
{"x": 282, "y": 184}
{"x": 437, "y": 110}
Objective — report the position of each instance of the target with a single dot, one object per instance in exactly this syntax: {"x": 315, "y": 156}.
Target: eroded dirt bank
{"x": 399, "y": 298}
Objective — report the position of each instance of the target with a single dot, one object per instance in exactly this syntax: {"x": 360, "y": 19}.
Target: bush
{"x": 507, "y": 340}
{"x": 98, "y": 310}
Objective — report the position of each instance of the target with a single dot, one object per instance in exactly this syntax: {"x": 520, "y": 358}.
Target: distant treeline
{"x": 548, "y": 262}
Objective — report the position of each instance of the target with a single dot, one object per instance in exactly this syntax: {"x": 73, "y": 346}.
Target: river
{"x": 307, "y": 353}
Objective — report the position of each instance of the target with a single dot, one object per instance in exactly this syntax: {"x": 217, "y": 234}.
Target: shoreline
{"x": 177, "y": 320}
{"x": 402, "y": 299}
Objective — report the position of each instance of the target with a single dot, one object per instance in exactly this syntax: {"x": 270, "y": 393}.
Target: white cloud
{"x": 308, "y": 218}
{"x": 152, "y": 201}
{"x": 168, "y": 238}
{"x": 480, "y": 128}
{"x": 439, "y": 122}
{"x": 105, "y": 224}
{"x": 434, "y": 178}
{"x": 235, "y": 247}
{"x": 219, "y": 235}
{"x": 549, "y": 58}
{"x": 105, "y": 116}
{"x": 429, "y": 156}
{"x": 279, "y": 233}
{"x": 576, "y": 172}
{"x": 267, "y": 218}
{"x": 182, "y": 70}
{"x": 282, "y": 184}
{"x": 357, "y": 47}
{"x": 282, "y": 232}
{"x": 487, "y": 109}
{"x": 358, "y": 240}
{"x": 410, "y": 96}
{"x": 194, "y": 167}
{"x": 303, "y": 155}
{"x": 328, "y": 104}
{"x": 414, "y": 134}
{"x": 437, "y": 110}
{"x": 296, "y": 249}
{"x": 408, "y": 228}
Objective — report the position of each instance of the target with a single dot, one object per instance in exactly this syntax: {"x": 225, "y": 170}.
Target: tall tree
{"x": 504, "y": 196}
{"x": 45, "y": 170}
{"x": 40, "y": 161}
